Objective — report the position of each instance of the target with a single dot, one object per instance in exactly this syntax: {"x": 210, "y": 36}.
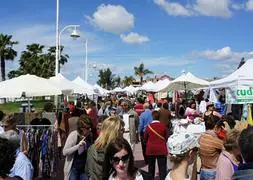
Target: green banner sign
{"x": 239, "y": 95}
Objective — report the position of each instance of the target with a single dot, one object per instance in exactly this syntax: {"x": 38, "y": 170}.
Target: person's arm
{"x": 24, "y": 144}
{"x": 70, "y": 145}
{"x": 140, "y": 127}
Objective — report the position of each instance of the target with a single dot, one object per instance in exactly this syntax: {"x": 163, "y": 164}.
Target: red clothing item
{"x": 156, "y": 146}
{"x": 138, "y": 108}
{"x": 92, "y": 113}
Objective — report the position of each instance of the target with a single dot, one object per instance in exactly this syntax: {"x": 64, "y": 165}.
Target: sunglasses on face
{"x": 124, "y": 159}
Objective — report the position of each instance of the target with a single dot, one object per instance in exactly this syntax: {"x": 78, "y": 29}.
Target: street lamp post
{"x": 86, "y": 60}
{"x": 74, "y": 34}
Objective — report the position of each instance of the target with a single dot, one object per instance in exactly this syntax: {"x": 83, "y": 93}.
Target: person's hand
{"x": 82, "y": 142}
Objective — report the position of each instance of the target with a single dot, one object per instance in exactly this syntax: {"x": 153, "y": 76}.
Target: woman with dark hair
{"x": 75, "y": 150}
{"x": 8, "y": 156}
{"x": 119, "y": 161}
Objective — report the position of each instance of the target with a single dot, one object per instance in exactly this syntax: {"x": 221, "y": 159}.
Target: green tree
{"x": 128, "y": 80}
{"x": 6, "y": 52}
{"x": 141, "y": 71}
{"x": 106, "y": 78}
{"x": 35, "y": 61}
{"x": 117, "y": 81}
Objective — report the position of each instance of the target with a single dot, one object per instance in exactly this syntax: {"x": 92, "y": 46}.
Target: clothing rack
{"x": 42, "y": 149}
{"x": 35, "y": 125}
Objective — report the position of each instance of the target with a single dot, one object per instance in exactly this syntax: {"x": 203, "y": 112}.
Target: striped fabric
{"x": 210, "y": 149}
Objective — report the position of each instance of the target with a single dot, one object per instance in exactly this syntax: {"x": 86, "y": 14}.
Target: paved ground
{"x": 140, "y": 163}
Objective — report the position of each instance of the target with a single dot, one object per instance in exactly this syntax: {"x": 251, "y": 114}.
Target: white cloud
{"x": 134, "y": 38}
{"x": 215, "y": 8}
{"x": 225, "y": 53}
{"x": 173, "y": 8}
{"x": 112, "y": 18}
{"x": 249, "y": 5}
{"x": 238, "y": 6}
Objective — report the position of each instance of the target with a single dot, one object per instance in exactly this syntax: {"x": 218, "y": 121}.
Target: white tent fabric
{"x": 118, "y": 89}
{"x": 241, "y": 77}
{"x": 186, "y": 81}
{"x": 101, "y": 90}
{"x": 149, "y": 86}
{"x": 162, "y": 84}
{"x": 66, "y": 85}
{"x": 130, "y": 89}
{"x": 31, "y": 85}
{"x": 89, "y": 89}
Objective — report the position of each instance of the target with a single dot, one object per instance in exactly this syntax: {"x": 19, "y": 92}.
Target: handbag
{"x": 156, "y": 133}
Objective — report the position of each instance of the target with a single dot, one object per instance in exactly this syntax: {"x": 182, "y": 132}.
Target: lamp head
{"x": 75, "y": 34}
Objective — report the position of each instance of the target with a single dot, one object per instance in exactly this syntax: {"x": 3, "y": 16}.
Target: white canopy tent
{"x": 149, "y": 86}
{"x": 101, "y": 90}
{"x": 130, "y": 89}
{"x": 28, "y": 85}
{"x": 241, "y": 77}
{"x": 186, "y": 81}
{"x": 162, "y": 84}
{"x": 89, "y": 89}
{"x": 117, "y": 90}
{"x": 66, "y": 85}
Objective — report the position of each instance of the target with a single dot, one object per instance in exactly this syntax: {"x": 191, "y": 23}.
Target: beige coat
{"x": 69, "y": 150}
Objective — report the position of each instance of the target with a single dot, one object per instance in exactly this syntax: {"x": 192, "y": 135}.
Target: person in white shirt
{"x": 22, "y": 167}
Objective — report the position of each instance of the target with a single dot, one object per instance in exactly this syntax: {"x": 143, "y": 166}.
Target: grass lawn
{"x": 12, "y": 107}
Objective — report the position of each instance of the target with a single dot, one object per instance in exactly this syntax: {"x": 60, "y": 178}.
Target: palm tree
{"x": 35, "y": 61}
{"x": 141, "y": 71}
{"x": 6, "y": 52}
{"x": 105, "y": 78}
{"x": 128, "y": 80}
{"x": 117, "y": 81}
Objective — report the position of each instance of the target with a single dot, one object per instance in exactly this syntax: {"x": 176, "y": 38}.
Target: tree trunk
{"x": 141, "y": 80}
{"x": 2, "y": 68}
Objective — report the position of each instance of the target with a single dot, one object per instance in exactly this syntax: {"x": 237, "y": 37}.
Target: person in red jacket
{"x": 156, "y": 135}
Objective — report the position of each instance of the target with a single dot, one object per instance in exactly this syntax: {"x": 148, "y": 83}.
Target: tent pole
{"x": 29, "y": 105}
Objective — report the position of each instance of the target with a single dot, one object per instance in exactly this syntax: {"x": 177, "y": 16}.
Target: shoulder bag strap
{"x": 156, "y": 133}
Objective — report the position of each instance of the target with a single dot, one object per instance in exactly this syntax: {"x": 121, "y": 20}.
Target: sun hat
{"x": 180, "y": 143}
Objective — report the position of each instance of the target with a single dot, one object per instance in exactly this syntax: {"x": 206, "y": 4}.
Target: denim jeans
{"x": 75, "y": 175}
{"x": 207, "y": 174}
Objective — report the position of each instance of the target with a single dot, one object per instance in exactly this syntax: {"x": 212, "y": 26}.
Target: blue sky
{"x": 205, "y": 37}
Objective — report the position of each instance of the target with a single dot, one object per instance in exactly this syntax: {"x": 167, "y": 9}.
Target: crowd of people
{"x": 100, "y": 141}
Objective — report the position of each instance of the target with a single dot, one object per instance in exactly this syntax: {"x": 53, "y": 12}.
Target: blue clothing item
{"x": 22, "y": 167}
{"x": 221, "y": 108}
{"x": 207, "y": 175}
{"x": 145, "y": 119}
{"x": 76, "y": 175}
{"x": 245, "y": 172}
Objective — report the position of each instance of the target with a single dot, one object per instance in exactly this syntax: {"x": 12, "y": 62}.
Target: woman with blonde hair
{"x": 228, "y": 160}
{"x": 112, "y": 128}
